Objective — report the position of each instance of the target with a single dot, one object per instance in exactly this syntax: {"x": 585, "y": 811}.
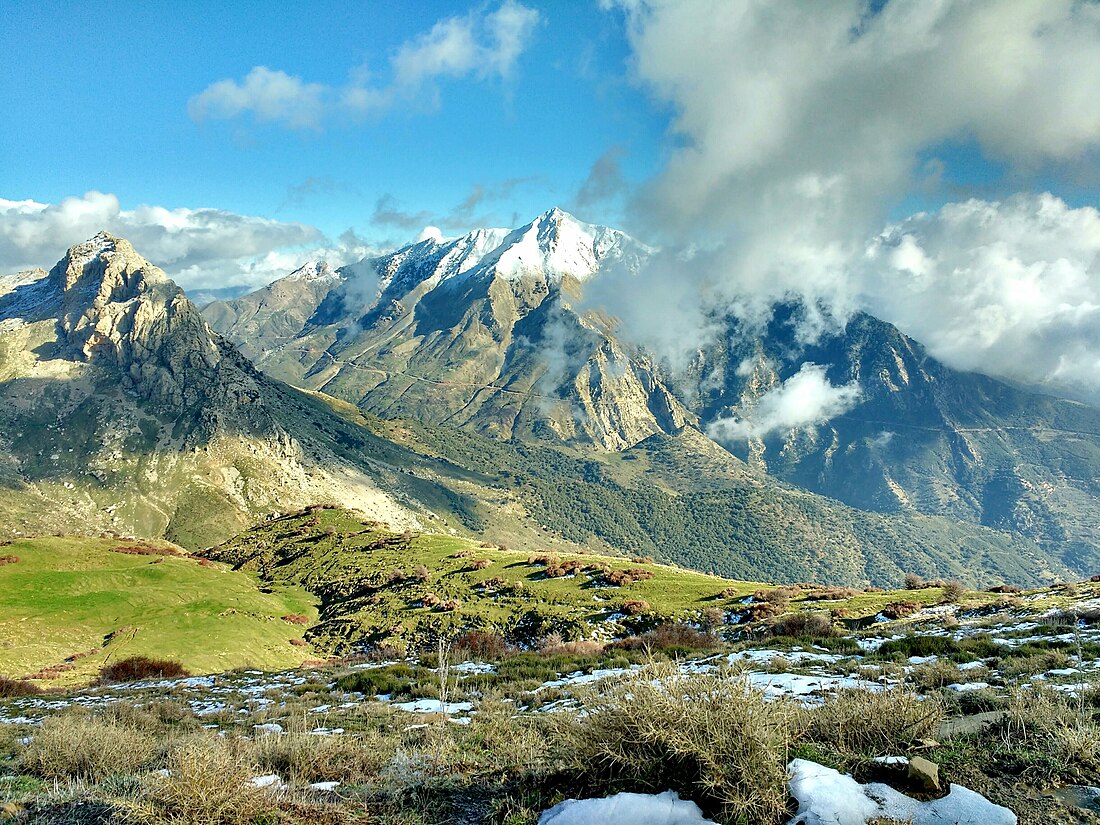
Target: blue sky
{"x": 97, "y": 97}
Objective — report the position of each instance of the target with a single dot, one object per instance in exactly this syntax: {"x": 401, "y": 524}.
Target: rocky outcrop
{"x": 121, "y": 312}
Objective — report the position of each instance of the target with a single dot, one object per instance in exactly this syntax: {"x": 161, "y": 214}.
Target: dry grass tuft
{"x": 883, "y": 723}
{"x": 79, "y": 746}
{"x": 209, "y": 782}
{"x": 709, "y": 737}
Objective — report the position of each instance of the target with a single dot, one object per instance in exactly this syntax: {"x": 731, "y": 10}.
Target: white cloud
{"x": 798, "y": 125}
{"x": 1011, "y": 288}
{"x": 206, "y": 248}
{"x": 804, "y": 399}
{"x": 479, "y": 45}
{"x": 271, "y": 95}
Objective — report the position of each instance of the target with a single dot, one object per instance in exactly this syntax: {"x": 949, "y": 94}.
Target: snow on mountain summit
{"x": 553, "y": 245}
{"x": 557, "y": 244}
{"x": 314, "y": 271}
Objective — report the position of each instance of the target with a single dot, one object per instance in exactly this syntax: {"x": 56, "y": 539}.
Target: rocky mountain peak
{"x": 556, "y": 244}
{"x": 120, "y": 312}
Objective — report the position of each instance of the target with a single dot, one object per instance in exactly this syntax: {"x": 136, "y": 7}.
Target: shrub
{"x": 298, "y": 756}
{"x": 730, "y": 593}
{"x": 9, "y": 559}
{"x": 953, "y": 591}
{"x": 1006, "y": 589}
{"x": 831, "y": 593}
{"x": 10, "y": 688}
{"x": 294, "y": 618}
{"x": 482, "y": 644}
{"x": 481, "y": 564}
{"x": 143, "y": 550}
{"x": 635, "y": 607}
{"x": 208, "y": 782}
{"x": 396, "y": 576}
{"x": 804, "y": 623}
{"x": 138, "y": 668}
{"x": 864, "y": 722}
{"x": 420, "y": 573}
{"x": 937, "y": 674}
{"x": 667, "y": 637}
{"x": 80, "y": 746}
{"x": 710, "y": 738}
{"x": 450, "y": 605}
{"x": 899, "y": 610}
{"x": 913, "y": 581}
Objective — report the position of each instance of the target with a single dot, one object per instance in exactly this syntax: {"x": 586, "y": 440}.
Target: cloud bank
{"x": 804, "y": 399}
{"x": 1011, "y": 288}
{"x": 199, "y": 248}
{"x": 798, "y": 127}
{"x": 478, "y": 45}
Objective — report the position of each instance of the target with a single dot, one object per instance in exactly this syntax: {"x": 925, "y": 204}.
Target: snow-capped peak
{"x": 314, "y": 271}
{"x": 558, "y": 244}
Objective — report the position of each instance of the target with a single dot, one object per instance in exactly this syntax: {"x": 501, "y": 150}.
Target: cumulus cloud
{"x": 806, "y": 398}
{"x": 1011, "y": 288}
{"x": 270, "y": 95}
{"x": 798, "y": 126}
{"x": 478, "y": 45}
{"x": 207, "y": 248}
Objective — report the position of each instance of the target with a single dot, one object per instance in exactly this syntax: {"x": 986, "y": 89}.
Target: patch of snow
{"x": 433, "y": 706}
{"x": 633, "y": 808}
{"x": 892, "y": 761}
{"x": 966, "y": 687}
{"x": 269, "y": 780}
{"x": 828, "y": 797}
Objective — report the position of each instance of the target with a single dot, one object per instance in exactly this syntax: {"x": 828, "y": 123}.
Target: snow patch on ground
{"x": 633, "y": 808}
{"x": 828, "y": 797}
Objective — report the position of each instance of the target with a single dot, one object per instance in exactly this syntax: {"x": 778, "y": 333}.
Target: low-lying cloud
{"x": 805, "y": 399}
{"x": 479, "y": 45}
{"x": 1011, "y": 288}
{"x": 199, "y": 248}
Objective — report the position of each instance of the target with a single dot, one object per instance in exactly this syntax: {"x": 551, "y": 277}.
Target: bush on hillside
{"x": 804, "y": 623}
{"x": 709, "y": 738}
{"x": 10, "y": 688}
{"x": 139, "y": 668}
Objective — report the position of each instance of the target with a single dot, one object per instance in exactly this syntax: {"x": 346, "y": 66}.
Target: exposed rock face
{"x": 119, "y": 311}
{"x": 120, "y": 408}
{"x": 922, "y": 437}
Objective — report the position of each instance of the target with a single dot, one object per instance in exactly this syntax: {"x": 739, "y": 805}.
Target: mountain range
{"x": 480, "y": 332}
{"x": 457, "y": 385}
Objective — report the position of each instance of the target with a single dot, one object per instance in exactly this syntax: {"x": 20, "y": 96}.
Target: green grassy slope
{"x": 77, "y": 597}
{"x": 365, "y": 578}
